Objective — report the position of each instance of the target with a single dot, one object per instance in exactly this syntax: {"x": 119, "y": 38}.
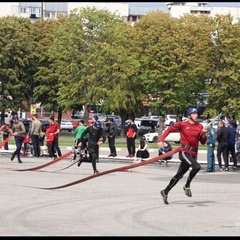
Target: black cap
{"x": 82, "y": 121}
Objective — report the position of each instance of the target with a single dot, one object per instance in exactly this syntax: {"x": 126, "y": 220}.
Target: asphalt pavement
{"x": 62, "y": 199}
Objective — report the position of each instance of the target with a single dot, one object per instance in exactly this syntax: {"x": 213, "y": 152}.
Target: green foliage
{"x": 94, "y": 56}
{"x": 15, "y": 61}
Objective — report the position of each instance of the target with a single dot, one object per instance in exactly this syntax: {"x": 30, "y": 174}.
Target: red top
{"x": 26, "y": 139}
{"x": 50, "y": 138}
{"x": 190, "y": 134}
{"x": 53, "y": 127}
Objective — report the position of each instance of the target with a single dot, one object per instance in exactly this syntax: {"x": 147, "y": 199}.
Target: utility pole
{"x": 42, "y": 10}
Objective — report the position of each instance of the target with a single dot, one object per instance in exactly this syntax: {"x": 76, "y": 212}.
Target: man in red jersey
{"x": 191, "y": 133}
{"x": 54, "y": 130}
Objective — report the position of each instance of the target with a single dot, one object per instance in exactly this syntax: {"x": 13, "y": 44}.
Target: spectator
{"x": 131, "y": 136}
{"x": 34, "y": 134}
{"x": 5, "y": 131}
{"x": 223, "y": 134}
{"x": 50, "y": 143}
{"x": 55, "y": 130}
{"x": 112, "y": 133}
{"x": 25, "y": 144}
{"x": 211, "y": 142}
{"x": 94, "y": 119}
{"x": 18, "y": 131}
{"x": 142, "y": 151}
{"x": 231, "y": 143}
{"x": 164, "y": 149}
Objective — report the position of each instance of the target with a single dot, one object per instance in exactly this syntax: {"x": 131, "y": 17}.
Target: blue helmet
{"x": 97, "y": 124}
{"x": 191, "y": 110}
{"x": 14, "y": 117}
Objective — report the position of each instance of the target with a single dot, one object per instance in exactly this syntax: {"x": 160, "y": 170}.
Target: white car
{"x": 66, "y": 125}
{"x": 170, "y": 119}
{"x": 153, "y": 137}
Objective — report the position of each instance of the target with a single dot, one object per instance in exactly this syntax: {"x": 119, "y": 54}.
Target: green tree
{"x": 16, "y": 62}
{"x": 174, "y": 59}
{"x": 46, "y": 78}
{"x": 223, "y": 84}
{"x": 95, "y": 59}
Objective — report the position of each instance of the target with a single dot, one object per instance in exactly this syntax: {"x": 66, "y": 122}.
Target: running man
{"x": 191, "y": 133}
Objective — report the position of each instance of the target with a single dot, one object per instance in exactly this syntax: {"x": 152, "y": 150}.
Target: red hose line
{"x": 115, "y": 170}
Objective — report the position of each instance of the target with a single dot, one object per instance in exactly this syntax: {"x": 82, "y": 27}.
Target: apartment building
{"x": 130, "y": 12}
{"x": 35, "y": 10}
{"x": 178, "y": 9}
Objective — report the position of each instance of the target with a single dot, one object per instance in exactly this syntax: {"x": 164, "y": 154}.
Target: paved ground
{"x": 115, "y": 204}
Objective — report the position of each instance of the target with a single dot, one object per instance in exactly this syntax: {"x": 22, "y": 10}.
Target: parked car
{"x": 170, "y": 119}
{"x": 144, "y": 125}
{"x": 66, "y": 125}
{"x": 153, "y": 137}
{"x": 26, "y": 122}
{"x": 116, "y": 119}
{"x": 45, "y": 124}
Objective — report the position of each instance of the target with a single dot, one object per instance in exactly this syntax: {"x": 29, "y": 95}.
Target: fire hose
{"x": 5, "y": 141}
{"x": 115, "y": 170}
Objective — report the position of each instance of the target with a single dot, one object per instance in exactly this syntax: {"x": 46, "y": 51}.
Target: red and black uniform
{"x": 190, "y": 136}
{"x": 94, "y": 136}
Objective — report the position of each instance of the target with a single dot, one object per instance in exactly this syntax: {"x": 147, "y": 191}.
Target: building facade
{"x": 130, "y": 12}
{"x": 178, "y": 9}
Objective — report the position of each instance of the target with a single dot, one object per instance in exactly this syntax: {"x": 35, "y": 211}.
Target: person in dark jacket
{"x": 232, "y": 142}
{"x": 112, "y": 133}
{"x": 223, "y": 134}
{"x": 164, "y": 149}
{"x": 95, "y": 139}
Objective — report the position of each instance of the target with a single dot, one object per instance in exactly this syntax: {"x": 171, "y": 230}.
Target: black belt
{"x": 189, "y": 148}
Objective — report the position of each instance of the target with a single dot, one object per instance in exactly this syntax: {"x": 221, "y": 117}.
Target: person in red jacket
{"x": 50, "y": 143}
{"x": 191, "y": 133}
{"x": 54, "y": 129}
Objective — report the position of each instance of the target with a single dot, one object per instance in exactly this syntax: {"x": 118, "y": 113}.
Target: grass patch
{"x": 120, "y": 143}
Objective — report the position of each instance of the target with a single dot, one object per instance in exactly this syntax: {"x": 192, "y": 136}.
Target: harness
{"x": 189, "y": 148}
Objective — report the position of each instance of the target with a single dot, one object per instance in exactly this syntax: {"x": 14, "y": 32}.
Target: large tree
{"x": 16, "y": 63}
{"x": 223, "y": 84}
{"x": 96, "y": 61}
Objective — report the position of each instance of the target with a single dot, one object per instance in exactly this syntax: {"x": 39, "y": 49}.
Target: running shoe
{"x": 164, "y": 196}
{"x": 187, "y": 191}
